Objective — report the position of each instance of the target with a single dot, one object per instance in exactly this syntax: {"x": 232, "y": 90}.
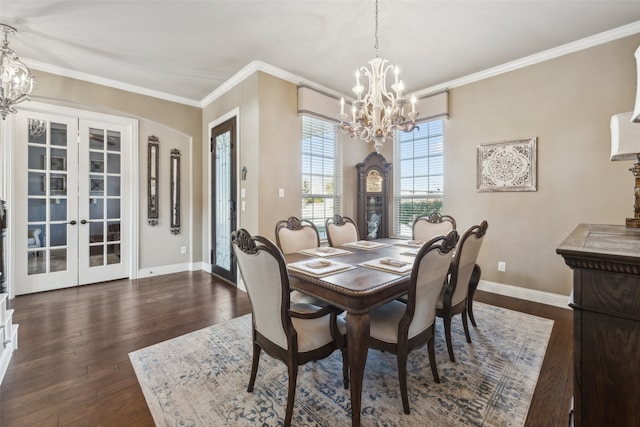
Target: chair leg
{"x": 432, "y": 360}
{"x": 402, "y": 376}
{"x": 465, "y": 324}
{"x": 473, "y": 284}
{"x": 291, "y": 396}
{"x": 254, "y": 366}
{"x": 447, "y": 334}
{"x": 345, "y": 368}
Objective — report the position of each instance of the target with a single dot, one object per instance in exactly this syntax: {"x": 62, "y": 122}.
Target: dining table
{"x": 356, "y": 277}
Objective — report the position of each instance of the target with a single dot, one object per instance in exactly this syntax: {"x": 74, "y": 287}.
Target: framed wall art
{"x": 153, "y": 164}
{"x": 507, "y": 166}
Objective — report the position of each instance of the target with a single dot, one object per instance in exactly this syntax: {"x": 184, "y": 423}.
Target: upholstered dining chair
{"x": 341, "y": 230}
{"x": 400, "y": 328}
{"x": 294, "y": 234}
{"x": 293, "y": 333}
{"x": 427, "y": 226}
{"x": 454, "y": 294}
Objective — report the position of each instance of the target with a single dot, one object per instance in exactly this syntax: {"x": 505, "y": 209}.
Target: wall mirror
{"x": 152, "y": 183}
{"x": 175, "y": 191}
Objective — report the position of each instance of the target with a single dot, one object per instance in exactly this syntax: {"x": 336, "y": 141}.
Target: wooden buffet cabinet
{"x": 606, "y": 324}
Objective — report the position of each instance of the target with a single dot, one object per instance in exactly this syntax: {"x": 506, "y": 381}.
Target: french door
{"x": 69, "y": 182}
{"x": 223, "y": 161}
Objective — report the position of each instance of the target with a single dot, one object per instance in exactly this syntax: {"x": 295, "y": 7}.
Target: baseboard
{"x": 169, "y": 269}
{"x": 533, "y": 295}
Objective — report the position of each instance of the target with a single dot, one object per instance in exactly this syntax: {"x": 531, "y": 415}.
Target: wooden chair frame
{"x": 339, "y": 221}
{"x": 447, "y": 311}
{"x": 294, "y": 224}
{"x": 243, "y": 241}
{"x": 404, "y": 345}
{"x": 433, "y": 218}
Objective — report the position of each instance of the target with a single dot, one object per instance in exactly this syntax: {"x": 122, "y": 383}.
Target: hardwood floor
{"x": 72, "y": 366}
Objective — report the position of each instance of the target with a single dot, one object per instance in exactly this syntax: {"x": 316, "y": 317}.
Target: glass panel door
{"x": 224, "y": 198}
{"x": 101, "y": 208}
{"x": 46, "y": 202}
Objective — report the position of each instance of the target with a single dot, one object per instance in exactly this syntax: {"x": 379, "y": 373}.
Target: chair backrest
{"x": 341, "y": 230}
{"x": 464, "y": 261}
{"x": 293, "y": 234}
{"x": 265, "y": 277}
{"x": 427, "y": 226}
{"x": 429, "y": 273}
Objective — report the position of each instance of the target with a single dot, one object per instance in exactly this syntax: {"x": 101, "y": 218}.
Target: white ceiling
{"x": 184, "y": 50}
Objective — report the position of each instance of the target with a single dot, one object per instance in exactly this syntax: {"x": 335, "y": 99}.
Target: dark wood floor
{"x": 72, "y": 367}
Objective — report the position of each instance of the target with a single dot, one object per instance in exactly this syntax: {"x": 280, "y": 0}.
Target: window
{"x": 320, "y": 172}
{"x": 418, "y": 174}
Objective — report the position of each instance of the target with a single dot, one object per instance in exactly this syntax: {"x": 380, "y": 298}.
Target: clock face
{"x": 374, "y": 181}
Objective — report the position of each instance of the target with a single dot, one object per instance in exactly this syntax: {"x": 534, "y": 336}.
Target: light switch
{"x": 243, "y": 205}
{"x": 243, "y": 193}
{"x": 281, "y": 192}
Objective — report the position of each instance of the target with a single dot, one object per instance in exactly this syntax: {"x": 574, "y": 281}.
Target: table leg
{"x": 358, "y": 346}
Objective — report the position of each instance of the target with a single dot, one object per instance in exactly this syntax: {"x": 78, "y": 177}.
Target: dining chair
{"x": 399, "y": 328}
{"x": 427, "y": 226}
{"x": 294, "y": 234}
{"x": 454, "y": 294}
{"x": 293, "y": 333}
{"x": 341, "y": 230}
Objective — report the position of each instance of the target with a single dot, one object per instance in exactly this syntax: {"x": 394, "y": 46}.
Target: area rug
{"x": 200, "y": 379}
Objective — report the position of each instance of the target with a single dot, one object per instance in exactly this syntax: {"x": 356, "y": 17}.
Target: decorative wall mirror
{"x": 152, "y": 189}
{"x": 175, "y": 191}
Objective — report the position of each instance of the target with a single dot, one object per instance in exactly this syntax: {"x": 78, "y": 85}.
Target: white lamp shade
{"x": 625, "y": 137}
{"x": 636, "y": 111}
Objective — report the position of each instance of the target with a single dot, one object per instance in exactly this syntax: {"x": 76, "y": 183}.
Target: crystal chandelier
{"x": 16, "y": 81}
{"x": 376, "y": 114}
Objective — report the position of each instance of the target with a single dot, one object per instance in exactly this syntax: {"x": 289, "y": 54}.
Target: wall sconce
{"x": 244, "y": 173}
{"x": 625, "y": 145}
{"x": 636, "y": 111}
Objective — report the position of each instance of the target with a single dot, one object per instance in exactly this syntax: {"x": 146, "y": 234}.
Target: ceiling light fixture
{"x": 378, "y": 113}
{"x": 16, "y": 81}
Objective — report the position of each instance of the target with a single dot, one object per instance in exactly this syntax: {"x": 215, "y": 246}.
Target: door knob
{"x": 73, "y": 222}
{"x": 84, "y": 221}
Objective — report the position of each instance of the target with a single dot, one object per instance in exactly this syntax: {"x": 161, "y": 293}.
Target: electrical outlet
{"x": 281, "y": 192}
{"x": 183, "y": 249}
{"x": 502, "y": 266}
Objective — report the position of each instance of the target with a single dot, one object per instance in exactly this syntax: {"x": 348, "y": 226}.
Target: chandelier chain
{"x": 376, "y": 36}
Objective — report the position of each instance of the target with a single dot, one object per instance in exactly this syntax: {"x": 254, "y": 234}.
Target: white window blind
{"x": 320, "y": 172}
{"x": 418, "y": 174}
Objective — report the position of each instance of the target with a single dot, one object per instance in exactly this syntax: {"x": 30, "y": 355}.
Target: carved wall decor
{"x": 507, "y": 166}
{"x": 152, "y": 180}
{"x": 175, "y": 191}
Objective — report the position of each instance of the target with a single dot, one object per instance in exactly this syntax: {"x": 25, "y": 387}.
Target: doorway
{"x": 71, "y": 201}
{"x": 224, "y": 206}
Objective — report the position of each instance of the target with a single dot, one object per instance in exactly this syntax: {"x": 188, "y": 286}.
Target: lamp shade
{"x": 636, "y": 111}
{"x": 625, "y": 137}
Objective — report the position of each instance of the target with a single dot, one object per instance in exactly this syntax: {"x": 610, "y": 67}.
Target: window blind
{"x": 418, "y": 174}
{"x": 320, "y": 172}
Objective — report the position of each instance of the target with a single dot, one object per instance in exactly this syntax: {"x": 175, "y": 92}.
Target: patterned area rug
{"x": 200, "y": 379}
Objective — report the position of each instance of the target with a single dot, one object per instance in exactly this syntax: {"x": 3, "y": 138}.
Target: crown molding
{"x": 78, "y": 75}
{"x": 585, "y": 43}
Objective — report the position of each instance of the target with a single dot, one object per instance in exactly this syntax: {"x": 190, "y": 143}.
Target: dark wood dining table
{"x": 356, "y": 291}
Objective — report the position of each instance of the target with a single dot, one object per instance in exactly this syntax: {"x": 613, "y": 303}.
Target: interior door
{"x": 224, "y": 214}
{"x": 45, "y": 198}
{"x": 70, "y": 207}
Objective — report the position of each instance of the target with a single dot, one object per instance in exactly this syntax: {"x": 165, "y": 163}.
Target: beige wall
{"x": 177, "y": 126}
{"x": 567, "y": 104}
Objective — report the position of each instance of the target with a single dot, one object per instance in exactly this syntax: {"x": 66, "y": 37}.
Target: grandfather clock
{"x": 373, "y": 197}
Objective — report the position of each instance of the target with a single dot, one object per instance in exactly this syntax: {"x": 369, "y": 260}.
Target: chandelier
{"x": 16, "y": 81}
{"x": 376, "y": 114}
